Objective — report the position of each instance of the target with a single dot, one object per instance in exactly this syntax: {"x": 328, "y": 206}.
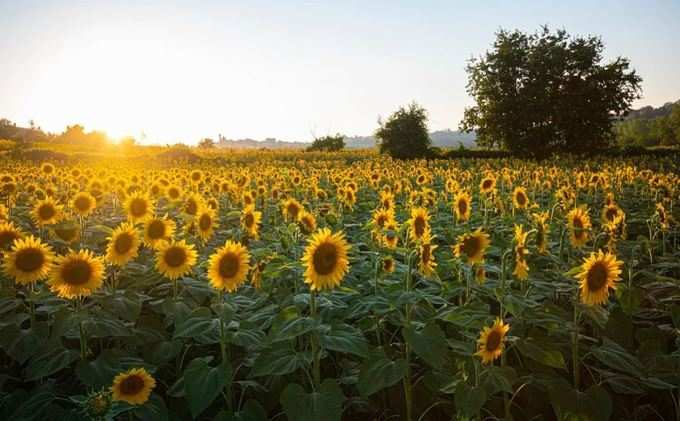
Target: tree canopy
{"x": 328, "y": 143}
{"x": 404, "y": 134}
{"x": 547, "y": 92}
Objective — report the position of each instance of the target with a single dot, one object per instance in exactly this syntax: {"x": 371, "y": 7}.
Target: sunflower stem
{"x": 316, "y": 368}
{"x": 408, "y": 392}
{"x": 574, "y": 347}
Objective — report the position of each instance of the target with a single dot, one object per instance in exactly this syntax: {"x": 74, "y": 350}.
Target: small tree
{"x": 328, "y": 143}
{"x": 206, "y": 143}
{"x": 404, "y": 135}
{"x": 547, "y": 91}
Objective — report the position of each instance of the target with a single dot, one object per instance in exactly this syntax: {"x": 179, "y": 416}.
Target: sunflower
{"x": 462, "y": 206}
{"x": 542, "y": 231}
{"x": 139, "y": 208}
{"x": 325, "y": 259}
{"x": 472, "y": 246}
{"x": 388, "y": 264}
{"x": 419, "y": 223}
{"x": 228, "y": 266}
{"x": 520, "y": 200}
{"x": 134, "y": 386}
{"x": 487, "y": 185}
{"x": 158, "y": 230}
{"x": 67, "y": 231}
{"x": 173, "y": 193}
{"x": 250, "y": 221}
{"x": 599, "y": 272}
{"x": 29, "y": 261}
{"x": 382, "y": 216}
{"x": 193, "y": 204}
{"x": 480, "y": 273}
{"x": 662, "y": 217}
{"x": 390, "y": 238}
{"x": 8, "y": 233}
{"x": 76, "y": 274}
{"x": 83, "y": 203}
{"x": 521, "y": 267}
{"x": 490, "y": 344}
{"x": 307, "y": 222}
{"x": 46, "y": 212}
{"x": 175, "y": 259}
{"x": 291, "y": 208}
{"x": 123, "y": 245}
{"x": 426, "y": 263}
{"x": 579, "y": 224}
{"x": 205, "y": 223}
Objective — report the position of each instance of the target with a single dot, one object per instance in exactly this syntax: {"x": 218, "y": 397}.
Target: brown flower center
{"x": 597, "y": 276}
{"x": 249, "y": 220}
{"x": 462, "y": 206}
{"x": 46, "y": 212}
{"x": 175, "y": 256}
{"x": 156, "y": 229}
{"x": 138, "y": 207}
{"x": 7, "y": 239}
{"x": 471, "y": 246}
{"x": 493, "y": 341}
{"x": 29, "y": 259}
{"x": 76, "y": 272}
{"x": 419, "y": 226}
{"x": 82, "y": 203}
{"x": 132, "y": 385}
{"x": 325, "y": 258}
{"x": 205, "y": 222}
{"x": 228, "y": 266}
{"x": 123, "y": 243}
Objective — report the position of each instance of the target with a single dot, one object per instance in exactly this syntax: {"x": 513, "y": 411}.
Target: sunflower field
{"x": 341, "y": 286}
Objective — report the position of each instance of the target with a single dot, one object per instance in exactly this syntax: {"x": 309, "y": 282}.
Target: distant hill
{"x": 269, "y": 143}
{"x": 649, "y": 112}
{"x": 441, "y": 138}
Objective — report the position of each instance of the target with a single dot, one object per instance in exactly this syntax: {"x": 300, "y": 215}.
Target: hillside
{"x": 649, "y": 112}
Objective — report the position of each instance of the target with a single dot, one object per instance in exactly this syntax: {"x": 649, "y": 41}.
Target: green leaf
{"x": 541, "y": 352}
{"x": 202, "y": 383}
{"x": 617, "y": 358}
{"x": 629, "y": 298}
{"x": 428, "y": 343}
{"x": 325, "y": 404}
{"x": 294, "y": 328}
{"x": 100, "y": 372}
{"x": 379, "y": 372}
{"x": 204, "y": 330}
{"x": 35, "y": 406}
{"x": 127, "y": 306}
{"x": 279, "y": 361}
{"x": 345, "y": 338}
{"x": 252, "y": 411}
{"x": 49, "y": 363}
{"x": 469, "y": 399}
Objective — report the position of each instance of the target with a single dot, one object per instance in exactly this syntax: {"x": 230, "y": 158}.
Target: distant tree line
{"x": 328, "y": 143}
{"x": 660, "y": 129}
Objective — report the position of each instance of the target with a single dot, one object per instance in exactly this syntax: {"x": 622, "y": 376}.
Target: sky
{"x": 178, "y": 71}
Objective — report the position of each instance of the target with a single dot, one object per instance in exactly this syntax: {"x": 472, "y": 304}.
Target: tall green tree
{"x": 328, "y": 143}
{"x": 404, "y": 134}
{"x": 547, "y": 91}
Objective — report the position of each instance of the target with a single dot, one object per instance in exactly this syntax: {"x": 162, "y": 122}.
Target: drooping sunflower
{"x": 426, "y": 262}
{"x": 291, "y": 207}
{"x": 599, "y": 272}
{"x": 542, "y": 231}
{"x": 193, "y": 204}
{"x": 419, "y": 223}
{"x": 67, "y": 231}
{"x": 76, "y": 274}
{"x": 521, "y": 266}
{"x": 390, "y": 237}
{"x": 175, "y": 259}
{"x": 206, "y": 223}
{"x": 134, "y": 386}
{"x": 29, "y": 261}
{"x": 158, "y": 230}
{"x": 8, "y": 233}
{"x": 250, "y": 221}
{"x": 139, "y": 208}
{"x": 228, "y": 266}
{"x": 462, "y": 205}
{"x": 388, "y": 264}
{"x": 83, "y": 203}
{"x": 472, "y": 246}
{"x": 491, "y": 342}
{"x": 123, "y": 245}
{"x": 46, "y": 212}
{"x": 307, "y": 222}
{"x": 579, "y": 225}
{"x": 326, "y": 260}
{"x": 520, "y": 200}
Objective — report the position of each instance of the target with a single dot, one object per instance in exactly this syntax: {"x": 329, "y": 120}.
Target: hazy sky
{"x": 291, "y": 70}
